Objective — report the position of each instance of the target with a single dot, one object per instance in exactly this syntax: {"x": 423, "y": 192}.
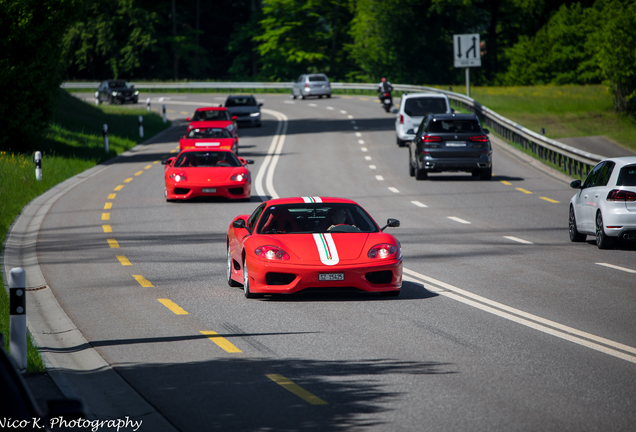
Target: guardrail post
{"x": 148, "y": 104}
{"x": 17, "y": 318}
{"x": 37, "y": 160}
{"x": 163, "y": 110}
{"x": 141, "y": 127}
{"x": 105, "y": 132}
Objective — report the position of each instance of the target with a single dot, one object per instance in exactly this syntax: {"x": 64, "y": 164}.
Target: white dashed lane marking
{"x": 616, "y": 267}
{"x": 419, "y": 204}
{"x": 518, "y": 240}
{"x": 456, "y": 219}
{"x": 394, "y": 190}
{"x": 379, "y": 178}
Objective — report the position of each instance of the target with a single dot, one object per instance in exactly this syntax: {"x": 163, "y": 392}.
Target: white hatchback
{"x": 413, "y": 108}
{"x": 605, "y": 205}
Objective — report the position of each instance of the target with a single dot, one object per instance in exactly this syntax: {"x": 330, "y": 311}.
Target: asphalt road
{"x": 502, "y": 323}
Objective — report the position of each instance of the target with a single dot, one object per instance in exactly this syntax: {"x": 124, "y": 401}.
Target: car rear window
{"x": 209, "y": 133}
{"x": 627, "y": 176}
{"x": 441, "y": 126}
{"x": 317, "y": 78}
{"x": 417, "y": 107}
{"x": 211, "y": 115}
{"x": 244, "y": 101}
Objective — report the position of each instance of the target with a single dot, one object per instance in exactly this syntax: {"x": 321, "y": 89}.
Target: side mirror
{"x": 487, "y": 131}
{"x": 234, "y": 118}
{"x": 188, "y": 118}
{"x": 167, "y": 161}
{"x": 410, "y": 132}
{"x": 183, "y": 137}
{"x": 393, "y": 223}
{"x": 239, "y": 223}
{"x": 260, "y": 104}
{"x": 452, "y": 110}
{"x": 249, "y": 162}
{"x": 576, "y": 184}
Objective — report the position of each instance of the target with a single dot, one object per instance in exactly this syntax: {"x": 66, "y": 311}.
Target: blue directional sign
{"x": 466, "y": 50}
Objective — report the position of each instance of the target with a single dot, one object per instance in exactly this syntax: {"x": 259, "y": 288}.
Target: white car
{"x": 605, "y": 205}
{"x": 413, "y": 108}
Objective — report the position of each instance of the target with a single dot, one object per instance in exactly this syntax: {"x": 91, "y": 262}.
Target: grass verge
{"x": 72, "y": 143}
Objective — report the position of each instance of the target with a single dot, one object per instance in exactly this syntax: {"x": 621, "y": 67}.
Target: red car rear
{"x": 209, "y": 135}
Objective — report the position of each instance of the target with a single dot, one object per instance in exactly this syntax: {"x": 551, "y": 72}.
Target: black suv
{"x": 116, "y": 91}
{"x": 450, "y": 142}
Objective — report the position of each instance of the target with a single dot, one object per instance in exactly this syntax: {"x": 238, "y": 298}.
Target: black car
{"x": 245, "y": 108}
{"x": 450, "y": 142}
{"x": 116, "y": 91}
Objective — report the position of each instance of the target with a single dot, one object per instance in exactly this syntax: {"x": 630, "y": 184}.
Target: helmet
{"x": 383, "y": 79}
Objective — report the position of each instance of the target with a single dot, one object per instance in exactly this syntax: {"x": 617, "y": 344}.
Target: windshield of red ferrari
{"x": 211, "y": 115}
{"x": 209, "y": 133}
{"x": 207, "y": 159}
{"x": 315, "y": 218}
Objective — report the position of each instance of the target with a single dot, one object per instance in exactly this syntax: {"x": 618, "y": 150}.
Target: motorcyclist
{"x": 385, "y": 87}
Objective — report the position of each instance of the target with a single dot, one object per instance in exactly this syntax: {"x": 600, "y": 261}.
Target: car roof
{"x": 427, "y": 94}
{"x": 301, "y": 200}
{"x": 240, "y": 96}
{"x": 621, "y": 161}
{"x": 454, "y": 116}
{"x": 191, "y": 150}
{"x": 210, "y": 123}
{"x": 211, "y": 109}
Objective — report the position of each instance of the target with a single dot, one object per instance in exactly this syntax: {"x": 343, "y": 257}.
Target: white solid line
{"x": 379, "y": 178}
{"x": 367, "y": 158}
{"x": 360, "y": 141}
{"x": 394, "y": 190}
{"x": 372, "y": 166}
{"x": 419, "y": 204}
{"x": 456, "y": 219}
{"x": 518, "y": 240}
{"x": 358, "y": 134}
{"x": 541, "y": 324}
{"x": 616, "y": 267}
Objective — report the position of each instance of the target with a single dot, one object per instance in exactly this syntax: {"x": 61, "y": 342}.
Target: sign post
{"x": 466, "y": 54}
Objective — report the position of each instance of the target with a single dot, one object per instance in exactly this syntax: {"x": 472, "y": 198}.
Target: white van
{"x": 413, "y": 108}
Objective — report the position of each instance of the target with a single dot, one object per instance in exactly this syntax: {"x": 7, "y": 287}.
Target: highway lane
{"x": 436, "y": 356}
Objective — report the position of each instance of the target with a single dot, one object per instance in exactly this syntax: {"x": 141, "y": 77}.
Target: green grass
{"x": 72, "y": 143}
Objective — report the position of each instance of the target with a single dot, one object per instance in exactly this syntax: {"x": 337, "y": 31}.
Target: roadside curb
{"x": 74, "y": 365}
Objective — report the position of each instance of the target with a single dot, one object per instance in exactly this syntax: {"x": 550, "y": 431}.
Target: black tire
{"x": 387, "y": 108}
{"x": 411, "y": 169}
{"x": 302, "y": 97}
{"x": 329, "y": 95}
{"x": 575, "y": 235}
{"x": 485, "y": 174}
{"x": 420, "y": 174}
{"x": 293, "y": 96}
{"x": 603, "y": 241}
{"x": 390, "y": 293}
{"x": 231, "y": 282}
{"x": 246, "y": 282}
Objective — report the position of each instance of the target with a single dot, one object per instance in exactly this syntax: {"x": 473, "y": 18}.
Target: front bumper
{"x": 188, "y": 190}
{"x": 305, "y": 277}
{"x": 252, "y": 120}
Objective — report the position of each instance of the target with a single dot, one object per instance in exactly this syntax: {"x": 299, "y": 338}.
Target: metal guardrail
{"x": 571, "y": 160}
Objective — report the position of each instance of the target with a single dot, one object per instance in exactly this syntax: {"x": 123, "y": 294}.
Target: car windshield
{"x": 209, "y": 133}
{"x": 417, "y": 107}
{"x": 240, "y": 101}
{"x": 317, "y": 78}
{"x": 627, "y": 176}
{"x": 441, "y": 126}
{"x": 207, "y": 159}
{"x": 211, "y": 115}
{"x": 115, "y": 84}
{"x": 312, "y": 218}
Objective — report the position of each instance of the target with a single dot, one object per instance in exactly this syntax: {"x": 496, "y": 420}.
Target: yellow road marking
{"x": 105, "y": 216}
{"x": 156, "y": 162}
{"x": 221, "y": 341}
{"x": 107, "y": 228}
{"x": 364, "y": 99}
{"x": 524, "y": 191}
{"x": 123, "y": 260}
{"x": 112, "y": 243}
{"x": 128, "y": 180}
{"x": 120, "y": 187}
{"x": 185, "y": 112}
{"x": 550, "y": 200}
{"x": 139, "y": 173}
{"x": 288, "y": 384}
{"x": 143, "y": 281}
{"x": 173, "y": 151}
{"x": 112, "y": 196}
{"x": 507, "y": 183}
{"x": 173, "y": 306}
{"x": 148, "y": 166}
{"x": 170, "y": 111}
{"x": 108, "y": 206}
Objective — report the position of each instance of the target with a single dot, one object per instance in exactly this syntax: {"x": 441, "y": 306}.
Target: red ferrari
{"x": 206, "y": 173}
{"x": 209, "y": 134}
{"x": 290, "y": 245}
{"x": 219, "y": 115}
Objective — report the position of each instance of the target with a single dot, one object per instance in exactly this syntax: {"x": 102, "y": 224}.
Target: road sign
{"x": 466, "y": 50}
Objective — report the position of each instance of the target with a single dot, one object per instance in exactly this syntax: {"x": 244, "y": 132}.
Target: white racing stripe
{"x": 326, "y": 249}
{"x": 588, "y": 340}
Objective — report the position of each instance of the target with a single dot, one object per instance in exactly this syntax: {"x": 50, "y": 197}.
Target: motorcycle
{"x": 385, "y": 99}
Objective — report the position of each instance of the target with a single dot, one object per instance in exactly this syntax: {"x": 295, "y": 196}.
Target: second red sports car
{"x": 209, "y": 134}
{"x": 206, "y": 173}
{"x": 312, "y": 244}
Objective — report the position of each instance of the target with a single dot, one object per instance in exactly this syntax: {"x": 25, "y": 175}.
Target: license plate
{"x": 456, "y": 144}
{"x": 331, "y": 276}
{"x": 386, "y": 101}
{"x": 209, "y": 190}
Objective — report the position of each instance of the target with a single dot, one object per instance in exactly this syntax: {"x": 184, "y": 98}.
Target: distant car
{"x": 116, "y": 92}
{"x": 414, "y": 107}
{"x": 245, "y": 108}
{"x": 311, "y": 85}
{"x": 317, "y": 244}
{"x": 213, "y": 114}
{"x": 207, "y": 173}
{"x": 605, "y": 204}
{"x": 209, "y": 135}
{"x": 450, "y": 142}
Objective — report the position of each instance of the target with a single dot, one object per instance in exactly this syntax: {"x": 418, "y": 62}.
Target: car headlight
{"x": 383, "y": 251}
{"x": 272, "y": 253}
{"x": 256, "y": 114}
{"x": 114, "y": 93}
{"x": 136, "y": 92}
{"x": 178, "y": 177}
{"x": 96, "y": 95}
{"x": 239, "y": 177}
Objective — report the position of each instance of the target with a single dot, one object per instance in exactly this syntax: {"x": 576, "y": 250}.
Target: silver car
{"x": 605, "y": 205}
{"x": 311, "y": 85}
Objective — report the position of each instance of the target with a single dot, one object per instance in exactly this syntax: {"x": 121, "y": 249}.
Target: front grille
{"x": 380, "y": 277}
{"x": 181, "y": 191}
{"x": 279, "y": 278}
{"x": 236, "y": 191}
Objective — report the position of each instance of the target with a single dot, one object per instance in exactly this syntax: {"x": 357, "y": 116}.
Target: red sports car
{"x": 206, "y": 173}
{"x": 209, "y": 134}
{"x": 220, "y": 115}
{"x": 290, "y": 245}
